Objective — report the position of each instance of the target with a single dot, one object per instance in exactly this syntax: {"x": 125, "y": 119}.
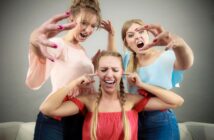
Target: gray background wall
{"x": 193, "y": 20}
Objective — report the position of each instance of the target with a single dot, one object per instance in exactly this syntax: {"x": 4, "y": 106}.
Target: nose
{"x": 109, "y": 73}
{"x": 89, "y": 29}
{"x": 138, "y": 35}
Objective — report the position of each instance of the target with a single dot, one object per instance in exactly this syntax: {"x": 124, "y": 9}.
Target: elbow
{"x": 188, "y": 65}
{"x": 45, "y": 110}
{"x": 178, "y": 103}
{"x": 31, "y": 85}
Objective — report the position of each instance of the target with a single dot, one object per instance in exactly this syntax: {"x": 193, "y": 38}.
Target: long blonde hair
{"x": 122, "y": 98}
{"x": 90, "y": 6}
{"x": 133, "y": 62}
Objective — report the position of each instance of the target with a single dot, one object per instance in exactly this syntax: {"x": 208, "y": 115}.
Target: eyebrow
{"x": 130, "y": 32}
{"x": 110, "y": 67}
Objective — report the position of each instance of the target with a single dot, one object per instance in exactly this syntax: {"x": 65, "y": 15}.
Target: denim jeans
{"x": 158, "y": 125}
{"x": 72, "y": 127}
{"x": 48, "y": 128}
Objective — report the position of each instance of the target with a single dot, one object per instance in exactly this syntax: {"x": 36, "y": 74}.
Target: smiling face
{"x": 110, "y": 72}
{"x": 86, "y": 24}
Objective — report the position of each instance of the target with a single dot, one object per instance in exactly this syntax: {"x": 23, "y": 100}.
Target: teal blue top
{"x": 160, "y": 73}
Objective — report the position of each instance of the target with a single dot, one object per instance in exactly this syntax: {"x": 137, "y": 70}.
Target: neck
{"x": 109, "y": 96}
{"x": 145, "y": 55}
{"x": 70, "y": 39}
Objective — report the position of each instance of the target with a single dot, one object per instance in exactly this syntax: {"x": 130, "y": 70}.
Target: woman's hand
{"x": 85, "y": 80}
{"x": 162, "y": 37}
{"x": 134, "y": 79}
{"x": 80, "y": 83}
{"x": 39, "y": 37}
{"x": 106, "y": 25}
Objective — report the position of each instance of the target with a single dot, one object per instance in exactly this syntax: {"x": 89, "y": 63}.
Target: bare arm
{"x": 183, "y": 53}
{"x": 39, "y": 42}
{"x": 107, "y": 25}
{"x": 54, "y": 105}
{"x": 164, "y": 99}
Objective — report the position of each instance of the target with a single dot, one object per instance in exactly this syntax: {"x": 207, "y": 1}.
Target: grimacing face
{"x": 110, "y": 72}
{"x": 86, "y": 24}
{"x": 135, "y": 38}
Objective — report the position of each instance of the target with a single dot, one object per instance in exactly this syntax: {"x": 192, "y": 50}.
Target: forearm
{"x": 166, "y": 96}
{"x": 55, "y": 100}
{"x": 111, "y": 43}
{"x": 184, "y": 56}
{"x": 36, "y": 51}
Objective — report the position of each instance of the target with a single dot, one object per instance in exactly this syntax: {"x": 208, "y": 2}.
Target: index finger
{"x": 156, "y": 27}
{"x": 126, "y": 74}
{"x": 60, "y": 17}
{"x": 92, "y": 75}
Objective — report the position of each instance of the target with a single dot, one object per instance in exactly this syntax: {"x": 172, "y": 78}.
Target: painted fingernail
{"x": 155, "y": 40}
{"x": 51, "y": 60}
{"x": 55, "y": 46}
{"x": 146, "y": 26}
{"x": 68, "y": 13}
{"x": 166, "y": 49}
{"x": 60, "y": 27}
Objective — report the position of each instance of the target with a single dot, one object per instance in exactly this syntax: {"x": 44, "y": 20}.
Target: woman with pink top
{"x": 63, "y": 59}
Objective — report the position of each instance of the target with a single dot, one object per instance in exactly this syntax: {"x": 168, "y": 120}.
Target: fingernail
{"x": 166, "y": 49}
{"x": 146, "y": 26}
{"x": 68, "y": 13}
{"x": 55, "y": 46}
{"x": 155, "y": 40}
{"x": 51, "y": 59}
{"x": 60, "y": 27}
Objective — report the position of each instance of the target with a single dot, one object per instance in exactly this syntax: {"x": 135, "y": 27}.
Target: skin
{"x": 161, "y": 37}
{"x": 109, "y": 71}
{"x": 146, "y": 55}
{"x": 76, "y": 27}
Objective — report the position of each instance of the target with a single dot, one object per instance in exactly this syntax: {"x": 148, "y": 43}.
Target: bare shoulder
{"x": 88, "y": 100}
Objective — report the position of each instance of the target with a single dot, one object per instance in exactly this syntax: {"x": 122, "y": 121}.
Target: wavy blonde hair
{"x": 89, "y": 6}
{"x": 122, "y": 97}
{"x": 133, "y": 62}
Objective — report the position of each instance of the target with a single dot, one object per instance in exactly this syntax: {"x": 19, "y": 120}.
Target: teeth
{"x": 109, "y": 81}
{"x": 83, "y": 35}
{"x": 139, "y": 42}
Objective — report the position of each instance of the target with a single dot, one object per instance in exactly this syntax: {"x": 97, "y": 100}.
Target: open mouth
{"x": 83, "y": 35}
{"x": 140, "y": 45}
{"x": 110, "y": 82}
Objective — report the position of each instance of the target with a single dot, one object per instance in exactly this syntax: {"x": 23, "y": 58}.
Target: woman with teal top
{"x": 155, "y": 66}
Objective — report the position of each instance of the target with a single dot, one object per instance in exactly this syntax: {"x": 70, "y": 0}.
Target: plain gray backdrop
{"x": 191, "y": 19}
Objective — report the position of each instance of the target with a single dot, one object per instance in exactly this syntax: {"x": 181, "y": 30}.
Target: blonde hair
{"x": 133, "y": 62}
{"x": 91, "y": 6}
{"x": 122, "y": 98}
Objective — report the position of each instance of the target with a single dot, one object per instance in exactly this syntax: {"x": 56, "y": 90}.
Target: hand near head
{"x": 50, "y": 28}
{"x": 85, "y": 80}
{"x": 81, "y": 82}
{"x": 162, "y": 37}
{"x": 134, "y": 79}
{"x": 95, "y": 57}
{"x": 106, "y": 25}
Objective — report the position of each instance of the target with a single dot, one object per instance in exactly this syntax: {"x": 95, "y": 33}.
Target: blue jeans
{"x": 157, "y": 125}
{"x": 48, "y": 128}
{"x": 72, "y": 127}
